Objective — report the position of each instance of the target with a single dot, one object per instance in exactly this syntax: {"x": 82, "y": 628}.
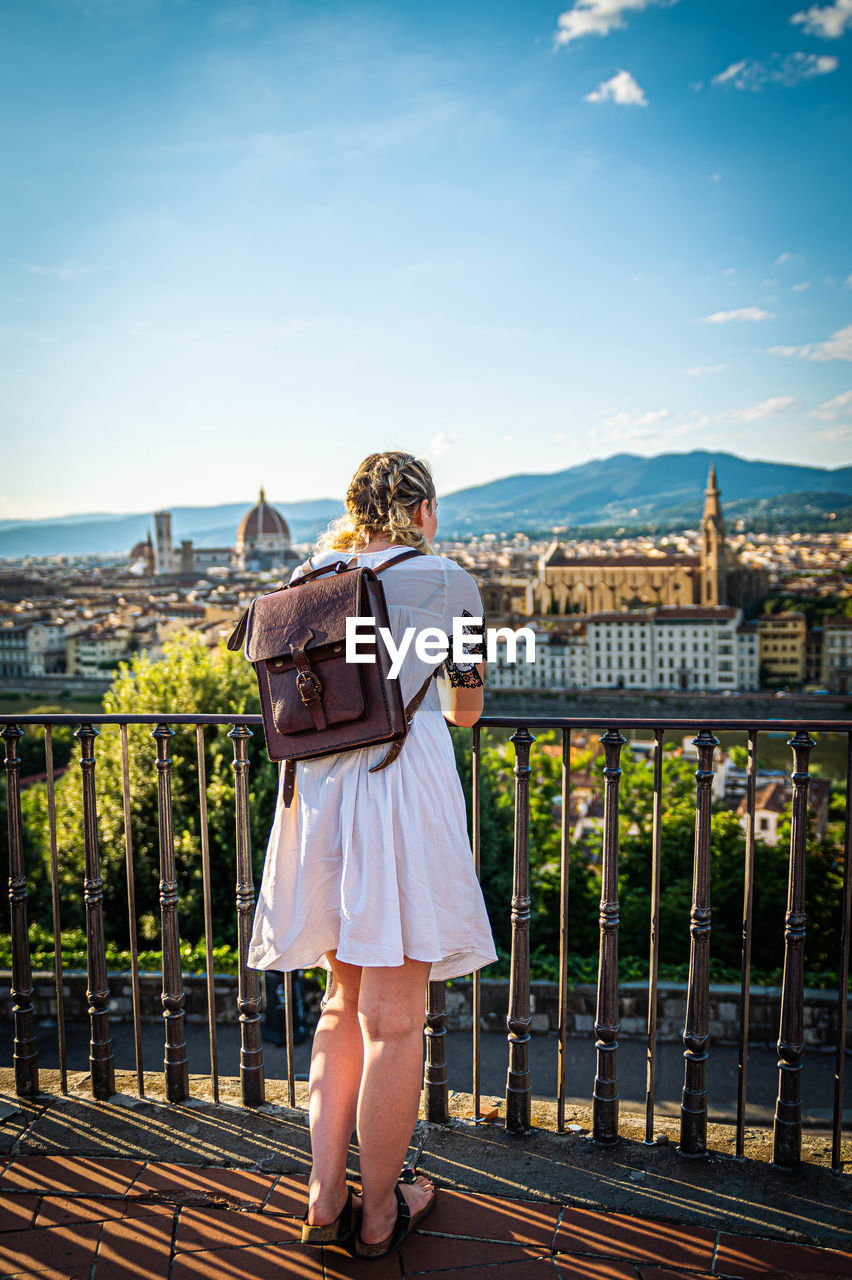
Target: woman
{"x": 372, "y": 875}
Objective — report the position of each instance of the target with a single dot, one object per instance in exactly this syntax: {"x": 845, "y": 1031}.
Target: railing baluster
{"x": 208, "y": 909}
{"x": 696, "y": 1033}
{"x": 288, "y": 1037}
{"x": 518, "y": 1092}
{"x": 101, "y": 1062}
{"x": 248, "y": 989}
{"x": 745, "y": 984}
{"x": 787, "y": 1133}
{"x": 131, "y": 912}
{"x": 843, "y": 985}
{"x": 564, "y": 861}
{"x": 605, "y": 1097}
{"x": 175, "y": 1061}
{"x": 57, "y": 918}
{"x": 476, "y": 994}
{"x": 25, "y": 1055}
{"x": 654, "y": 951}
{"x": 437, "y": 1094}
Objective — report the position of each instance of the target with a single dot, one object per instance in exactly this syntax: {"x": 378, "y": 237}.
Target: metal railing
{"x": 787, "y": 1136}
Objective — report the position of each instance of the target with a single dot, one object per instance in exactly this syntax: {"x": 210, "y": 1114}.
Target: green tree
{"x": 497, "y": 841}
{"x": 189, "y": 678}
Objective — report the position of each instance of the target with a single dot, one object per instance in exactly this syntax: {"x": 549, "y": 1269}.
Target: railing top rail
{"x": 681, "y": 723}
{"x": 160, "y": 717}
{"x": 673, "y": 723}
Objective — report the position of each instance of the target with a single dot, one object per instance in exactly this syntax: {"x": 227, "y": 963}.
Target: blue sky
{"x": 246, "y": 243}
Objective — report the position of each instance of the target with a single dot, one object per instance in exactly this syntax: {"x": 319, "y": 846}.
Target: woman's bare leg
{"x": 391, "y": 1007}
{"x": 337, "y": 1060}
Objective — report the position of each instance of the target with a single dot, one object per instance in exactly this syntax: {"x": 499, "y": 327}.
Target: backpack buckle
{"x": 309, "y": 687}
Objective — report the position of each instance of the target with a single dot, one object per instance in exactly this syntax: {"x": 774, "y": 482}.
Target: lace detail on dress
{"x": 464, "y": 674}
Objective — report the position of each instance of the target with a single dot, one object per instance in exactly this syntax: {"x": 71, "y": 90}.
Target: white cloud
{"x": 730, "y": 73}
{"x": 715, "y": 177}
{"x": 801, "y": 286}
{"x": 784, "y": 257}
{"x": 766, "y": 408}
{"x": 699, "y": 369}
{"x": 729, "y": 271}
{"x": 654, "y": 416}
{"x": 645, "y": 426}
{"x": 849, "y": 282}
{"x": 787, "y": 70}
{"x": 597, "y": 17}
{"x": 620, "y": 88}
{"x": 837, "y": 347}
{"x": 442, "y": 442}
{"x": 829, "y": 20}
{"x": 836, "y": 408}
{"x": 834, "y": 435}
{"x": 59, "y": 271}
{"x": 769, "y": 283}
{"x": 740, "y": 314}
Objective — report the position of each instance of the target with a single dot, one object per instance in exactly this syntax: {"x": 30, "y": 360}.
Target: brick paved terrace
{"x": 143, "y": 1188}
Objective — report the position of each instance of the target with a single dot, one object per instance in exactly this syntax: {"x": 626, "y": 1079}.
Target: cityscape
{"x": 680, "y": 612}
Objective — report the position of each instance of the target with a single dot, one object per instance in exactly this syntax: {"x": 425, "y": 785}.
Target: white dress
{"x": 378, "y": 866}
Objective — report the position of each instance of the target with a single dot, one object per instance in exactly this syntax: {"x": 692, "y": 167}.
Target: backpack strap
{"x": 396, "y": 747}
{"x": 289, "y": 782}
{"x": 395, "y": 560}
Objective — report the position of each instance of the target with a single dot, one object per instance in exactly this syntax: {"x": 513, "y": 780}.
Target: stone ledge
{"x": 820, "y": 1010}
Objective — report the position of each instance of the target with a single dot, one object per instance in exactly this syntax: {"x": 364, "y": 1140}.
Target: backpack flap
{"x": 296, "y": 639}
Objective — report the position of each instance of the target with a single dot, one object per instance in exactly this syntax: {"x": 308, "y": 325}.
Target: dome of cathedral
{"x": 263, "y": 526}
{"x": 140, "y": 551}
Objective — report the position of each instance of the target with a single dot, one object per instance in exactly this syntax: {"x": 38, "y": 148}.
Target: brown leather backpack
{"x": 314, "y": 702}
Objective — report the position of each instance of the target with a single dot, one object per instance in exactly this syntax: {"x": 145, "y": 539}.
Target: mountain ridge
{"x": 624, "y": 488}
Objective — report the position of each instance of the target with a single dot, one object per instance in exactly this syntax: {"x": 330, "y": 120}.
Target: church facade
{"x": 263, "y": 542}
{"x": 600, "y": 584}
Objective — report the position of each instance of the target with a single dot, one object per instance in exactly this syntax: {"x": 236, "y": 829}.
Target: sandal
{"x": 340, "y": 1231}
{"x": 406, "y": 1222}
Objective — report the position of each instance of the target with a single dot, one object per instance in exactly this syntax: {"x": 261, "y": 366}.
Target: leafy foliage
{"x": 190, "y": 678}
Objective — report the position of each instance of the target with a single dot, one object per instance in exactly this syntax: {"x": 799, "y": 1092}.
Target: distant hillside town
{"x": 700, "y": 610}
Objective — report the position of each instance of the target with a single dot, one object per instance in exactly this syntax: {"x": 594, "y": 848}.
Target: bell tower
{"x": 713, "y": 555}
{"x": 164, "y": 556}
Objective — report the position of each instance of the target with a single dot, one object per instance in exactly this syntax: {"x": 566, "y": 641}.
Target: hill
{"x": 625, "y": 489}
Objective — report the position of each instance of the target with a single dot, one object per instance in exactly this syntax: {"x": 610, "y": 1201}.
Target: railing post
{"x": 437, "y": 1095}
{"x": 787, "y": 1133}
{"x": 175, "y": 1062}
{"x": 605, "y": 1097}
{"x": 518, "y": 1093}
{"x": 25, "y": 1055}
{"x": 248, "y": 984}
{"x": 696, "y": 1032}
{"x": 101, "y": 1062}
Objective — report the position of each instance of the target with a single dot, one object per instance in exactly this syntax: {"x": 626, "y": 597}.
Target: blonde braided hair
{"x": 382, "y": 496}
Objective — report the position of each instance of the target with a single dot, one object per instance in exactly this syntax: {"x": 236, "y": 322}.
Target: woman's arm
{"x": 461, "y": 692}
